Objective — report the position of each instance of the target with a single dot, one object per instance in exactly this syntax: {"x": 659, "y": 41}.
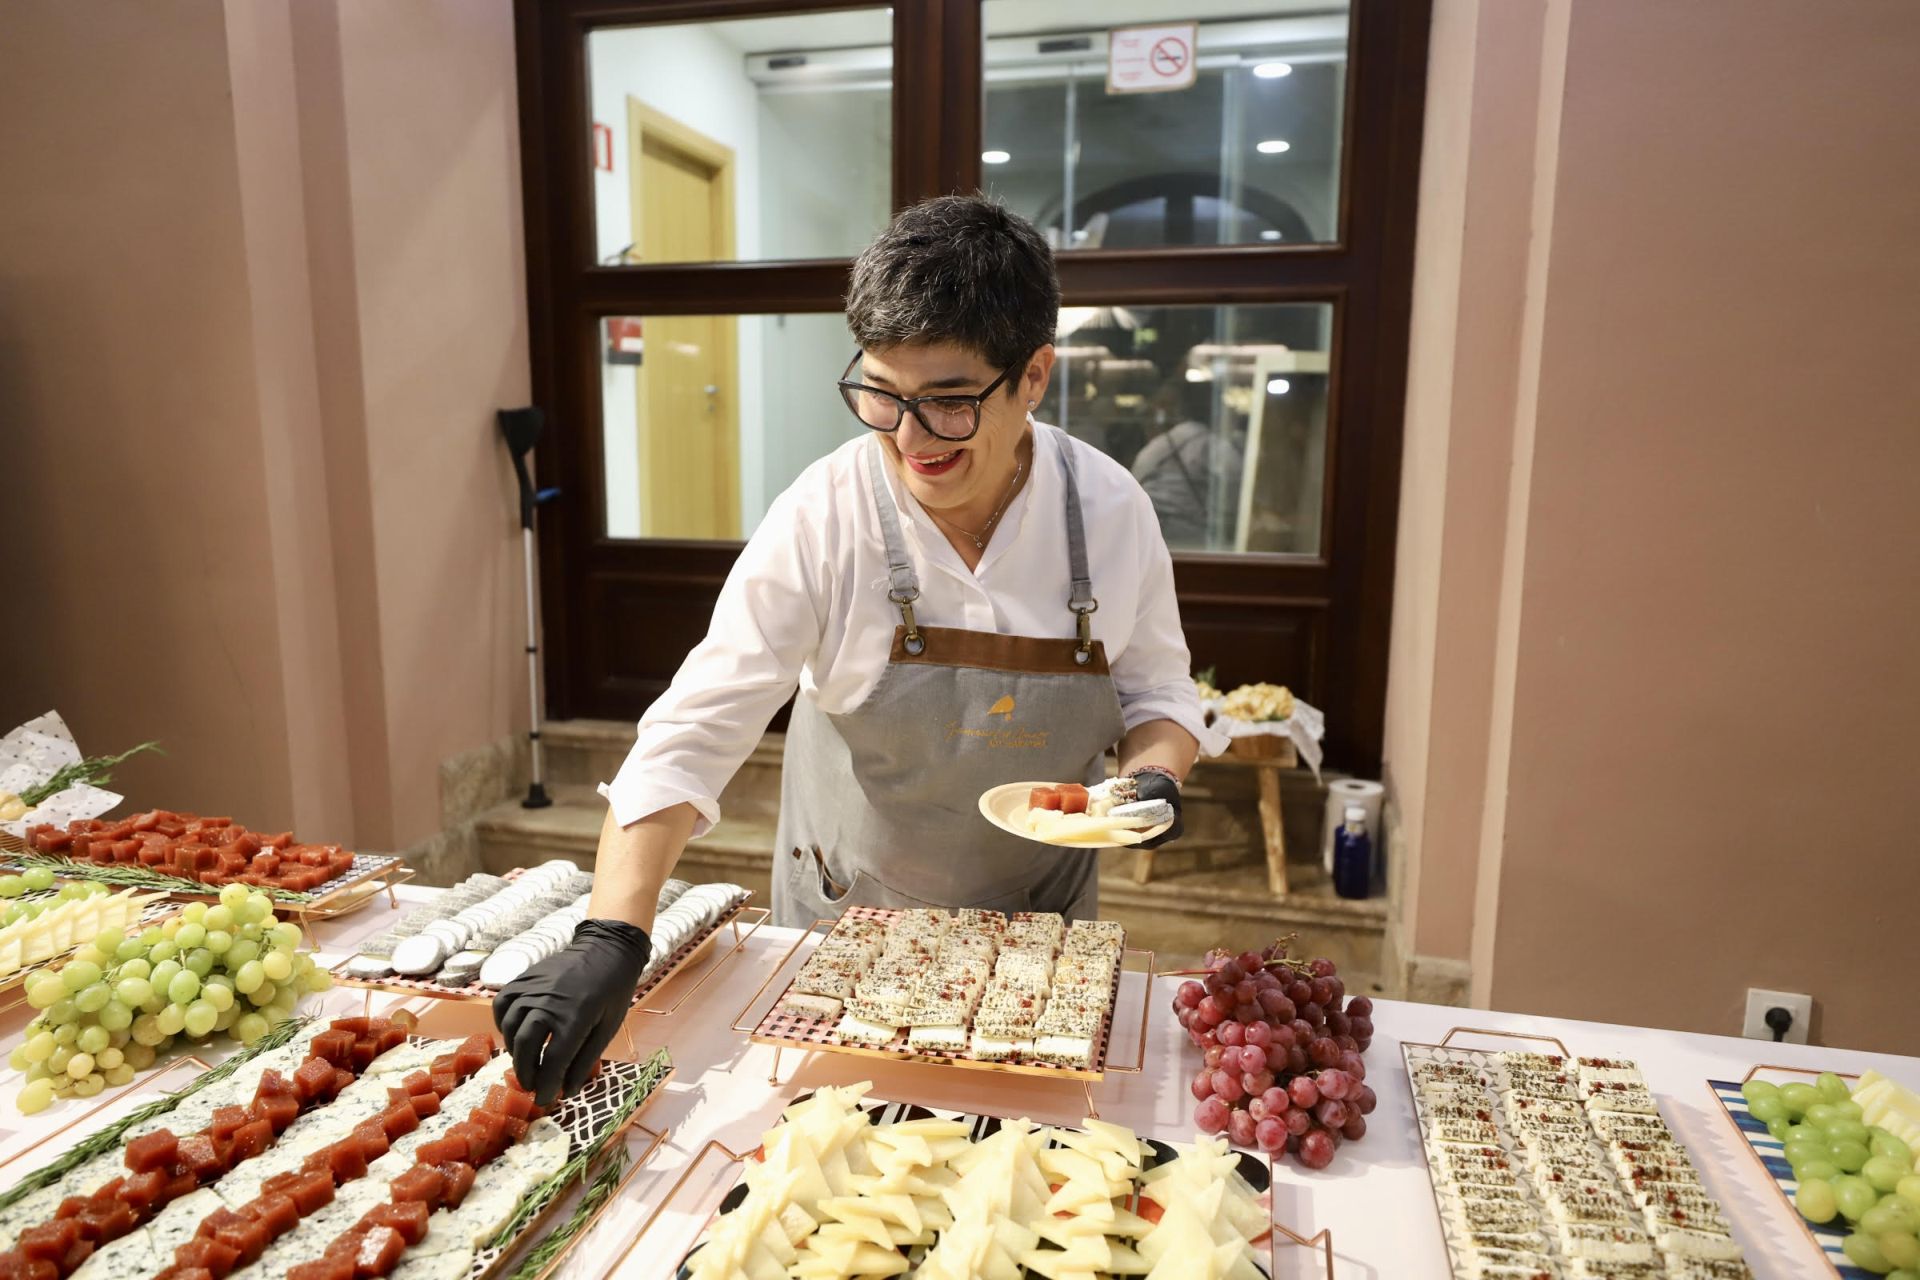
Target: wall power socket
{"x": 1760, "y": 1000}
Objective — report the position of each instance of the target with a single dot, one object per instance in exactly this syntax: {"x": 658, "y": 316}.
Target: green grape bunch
{"x": 1856, "y": 1176}
{"x": 121, "y": 1001}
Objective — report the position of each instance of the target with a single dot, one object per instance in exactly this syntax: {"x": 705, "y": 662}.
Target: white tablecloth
{"x": 1375, "y": 1199}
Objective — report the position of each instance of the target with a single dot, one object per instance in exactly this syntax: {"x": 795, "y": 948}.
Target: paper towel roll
{"x": 1345, "y": 792}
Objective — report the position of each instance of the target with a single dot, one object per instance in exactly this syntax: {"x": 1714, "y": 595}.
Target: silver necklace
{"x": 979, "y": 540}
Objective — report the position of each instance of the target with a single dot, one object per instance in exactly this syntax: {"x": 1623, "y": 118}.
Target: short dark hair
{"x": 957, "y": 269}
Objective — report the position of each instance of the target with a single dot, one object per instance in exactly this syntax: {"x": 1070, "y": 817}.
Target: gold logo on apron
{"x": 1004, "y": 737}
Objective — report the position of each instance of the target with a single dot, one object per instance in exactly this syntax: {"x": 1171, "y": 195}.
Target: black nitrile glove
{"x": 1158, "y": 786}
{"x": 559, "y": 1015}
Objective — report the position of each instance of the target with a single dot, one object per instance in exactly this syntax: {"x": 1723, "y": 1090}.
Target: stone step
{"x": 1193, "y": 903}
{"x": 1220, "y": 802}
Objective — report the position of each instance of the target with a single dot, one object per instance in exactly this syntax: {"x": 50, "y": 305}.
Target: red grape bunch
{"x": 1282, "y": 1047}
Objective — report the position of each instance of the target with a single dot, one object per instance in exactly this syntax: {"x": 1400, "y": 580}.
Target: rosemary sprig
{"x": 597, "y": 1193}
{"x": 94, "y": 769}
{"x": 109, "y": 1137}
{"x": 654, "y": 1069}
{"x": 131, "y": 876}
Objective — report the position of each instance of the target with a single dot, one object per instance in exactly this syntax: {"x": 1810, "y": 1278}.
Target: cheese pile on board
{"x": 836, "y": 1195}
{"x": 1595, "y": 1185}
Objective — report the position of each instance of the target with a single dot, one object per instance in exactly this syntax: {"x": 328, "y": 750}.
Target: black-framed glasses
{"x": 951, "y": 417}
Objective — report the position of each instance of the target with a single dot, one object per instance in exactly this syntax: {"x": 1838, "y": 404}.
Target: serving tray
{"x": 347, "y": 891}
{"x": 815, "y": 1035}
{"x": 1771, "y": 1154}
{"x": 1257, "y": 1171}
{"x": 593, "y": 1119}
{"x": 1488, "y": 1060}
{"x": 690, "y": 951}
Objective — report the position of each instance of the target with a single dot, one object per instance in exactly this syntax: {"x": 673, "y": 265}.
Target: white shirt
{"x": 806, "y": 604}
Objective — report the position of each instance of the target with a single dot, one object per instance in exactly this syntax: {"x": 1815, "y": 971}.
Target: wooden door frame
{"x": 644, "y": 121}
{"x": 619, "y": 616}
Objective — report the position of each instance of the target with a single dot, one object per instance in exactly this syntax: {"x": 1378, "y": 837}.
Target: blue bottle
{"x": 1353, "y": 856}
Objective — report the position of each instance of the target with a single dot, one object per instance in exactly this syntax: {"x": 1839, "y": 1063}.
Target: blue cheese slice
{"x": 317, "y": 1230}
{"x": 451, "y": 1264}
{"x": 29, "y": 1211}
{"x": 454, "y": 1108}
{"x": 132, "y": 1255}
{"x": 89, "y": 1177}
{"x": 496, "y": 1193}
{"x": 178, "y": 1222}
{"x": 544, "y": 1151}
{"x": 405, "y": 1059}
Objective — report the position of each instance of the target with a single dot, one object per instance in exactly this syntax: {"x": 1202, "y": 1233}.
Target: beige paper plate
{"x": 1006, "y": 808}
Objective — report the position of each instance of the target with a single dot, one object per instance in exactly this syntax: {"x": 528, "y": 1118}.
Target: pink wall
{"x": 439, "y": 260}
{"x": 1703, "y": 686}
{"x": 137, "y": 555}
{"x": 1476, "y": 177}
{"x": 312, "y": 252}
{"x": 413, "y": 210}
{"x": 1722, "y": 583}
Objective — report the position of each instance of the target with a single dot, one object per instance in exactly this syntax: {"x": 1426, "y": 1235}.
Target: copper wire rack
{"x": 531, "y": 1233}
{"x": 526, "y": 1236}
{"x": 688, "y": 953}
{"x": 1841, "y": 1268}
{"x": 1456, "y": 1249}
{"x": 785, "y": 1031}
{"x": 1457, "y": 1255}
{"x": 348, "y": 891}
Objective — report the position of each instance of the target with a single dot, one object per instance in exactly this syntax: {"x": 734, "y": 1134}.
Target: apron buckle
{"x": 1084, "y": 614}
{"x": 916, "y": 644}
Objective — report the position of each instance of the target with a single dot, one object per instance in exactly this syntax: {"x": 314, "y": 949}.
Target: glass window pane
{"x": 1248, "y": 153}
{"x": 755, "y": 138}
{"x": 707, "y": 419}
{"x": 1219, "y": 412}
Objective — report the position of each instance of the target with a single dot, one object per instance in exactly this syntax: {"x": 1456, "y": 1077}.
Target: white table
{"x": 1375, "y": 1199}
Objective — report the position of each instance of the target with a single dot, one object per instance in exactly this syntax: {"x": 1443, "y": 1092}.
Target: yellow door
{"x": 689, "y": 434}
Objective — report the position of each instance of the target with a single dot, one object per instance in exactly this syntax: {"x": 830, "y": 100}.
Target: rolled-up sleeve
{"x": 1154, "y": 675}
{"x": 766, "y": 626}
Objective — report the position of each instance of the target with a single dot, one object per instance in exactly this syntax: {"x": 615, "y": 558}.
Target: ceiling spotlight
{"x": 1278, "y": 386}
{"x": 995, "y": 157}
{"x": 1269, "y": 234}
{"x": 1273, "y": 70}
{"x": 1273, "y": 146}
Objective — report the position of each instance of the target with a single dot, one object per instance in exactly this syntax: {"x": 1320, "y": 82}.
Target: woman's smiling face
{"x": 950, "y": 476}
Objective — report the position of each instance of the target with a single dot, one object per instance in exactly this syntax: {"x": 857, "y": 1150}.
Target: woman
{"x": 930, "y": 588}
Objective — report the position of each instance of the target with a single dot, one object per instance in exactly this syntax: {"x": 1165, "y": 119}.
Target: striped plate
{"x": 1772, "y": 1156}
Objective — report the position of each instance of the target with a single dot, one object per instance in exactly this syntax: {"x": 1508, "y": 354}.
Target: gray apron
{"x": 879, "y": 806}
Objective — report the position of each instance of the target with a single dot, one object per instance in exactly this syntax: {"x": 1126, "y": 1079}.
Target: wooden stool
{"x": 1267, "y": 755}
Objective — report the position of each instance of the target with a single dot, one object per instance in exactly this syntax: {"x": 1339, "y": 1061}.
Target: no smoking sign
{"x": 1150, "y": 59}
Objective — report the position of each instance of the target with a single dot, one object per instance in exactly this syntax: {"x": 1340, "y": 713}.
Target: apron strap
{"x": 1081, "y": 600}
{"x": 903, "y": 587}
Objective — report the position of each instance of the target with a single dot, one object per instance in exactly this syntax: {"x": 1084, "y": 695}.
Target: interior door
{"x": 687, "y": 415}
